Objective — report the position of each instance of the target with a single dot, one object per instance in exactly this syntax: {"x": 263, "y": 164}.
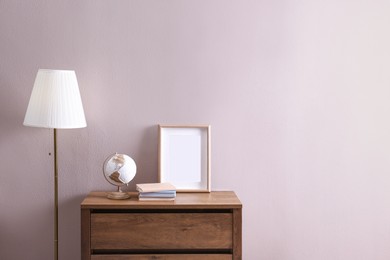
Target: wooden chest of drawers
{"x": 196, "y": 226}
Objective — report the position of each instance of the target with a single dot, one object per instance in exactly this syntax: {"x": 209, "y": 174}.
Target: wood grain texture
{"x": 212, "y": 200}
{"x": 163, "y": 257}
{"x": 237, "y": 234}
{"x": 85, "y": 234}
{"x": 161, "y": 231}
{"x": 192, "y": 227}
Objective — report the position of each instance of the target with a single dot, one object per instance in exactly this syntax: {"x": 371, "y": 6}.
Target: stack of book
{"x": 156, "y": 191}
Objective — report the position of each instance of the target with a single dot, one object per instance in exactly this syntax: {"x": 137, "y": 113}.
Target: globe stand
{"x": 118, "y": 195}
{"x": 119, "y": 170}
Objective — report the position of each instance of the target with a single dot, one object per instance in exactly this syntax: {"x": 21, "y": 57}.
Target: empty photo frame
{"x": 184, "y": 157}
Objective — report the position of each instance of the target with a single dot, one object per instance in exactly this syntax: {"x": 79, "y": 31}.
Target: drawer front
{"x": 162, "y": 257}
{"x": 161, "y": 231}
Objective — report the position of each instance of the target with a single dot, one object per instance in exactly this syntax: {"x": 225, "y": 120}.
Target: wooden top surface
{"x": 212, "y": 200}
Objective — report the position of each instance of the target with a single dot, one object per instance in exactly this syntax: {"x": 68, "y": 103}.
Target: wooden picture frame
{"x": 184, "y": 157}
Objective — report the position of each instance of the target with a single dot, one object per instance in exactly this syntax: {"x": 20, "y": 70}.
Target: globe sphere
{"x": 119, "y": 169}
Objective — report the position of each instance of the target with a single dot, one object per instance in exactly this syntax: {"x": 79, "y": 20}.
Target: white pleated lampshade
{"x": 55, "y": 101}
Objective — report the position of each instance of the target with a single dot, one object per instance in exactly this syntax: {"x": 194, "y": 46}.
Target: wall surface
{"x": 297, "y": 93}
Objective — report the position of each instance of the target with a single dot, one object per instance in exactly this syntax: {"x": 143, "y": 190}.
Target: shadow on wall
{"x": 37, "y": 224}
{"x": 11, "y": 112}
{"x": 146, "y": 157}
{"x": 26, "y": 219}
{"x": 69, "y": 208}
{"x": 69, "y": 227}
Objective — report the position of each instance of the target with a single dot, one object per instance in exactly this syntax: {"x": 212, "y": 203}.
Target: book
{"x": 156, "y": 191}
{"x": 155, "y": 187}
{"x": 156, "y": 199}
{"x": 160, "y": 194}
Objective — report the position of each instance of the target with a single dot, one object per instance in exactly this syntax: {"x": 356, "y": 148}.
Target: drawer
{"x": 162, "y": 257}
{"x": 132, "y": 231}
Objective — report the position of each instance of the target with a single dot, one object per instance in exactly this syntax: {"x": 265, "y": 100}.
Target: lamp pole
{"x": 55, "y": 197}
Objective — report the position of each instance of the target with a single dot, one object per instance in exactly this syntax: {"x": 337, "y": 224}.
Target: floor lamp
{"x": 55, "y": 103}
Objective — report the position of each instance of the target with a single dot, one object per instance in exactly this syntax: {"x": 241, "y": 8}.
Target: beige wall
{"x": 297, "y": 93}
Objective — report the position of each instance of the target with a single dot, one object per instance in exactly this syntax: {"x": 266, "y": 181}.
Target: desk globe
{"x": 119, "y": 170}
